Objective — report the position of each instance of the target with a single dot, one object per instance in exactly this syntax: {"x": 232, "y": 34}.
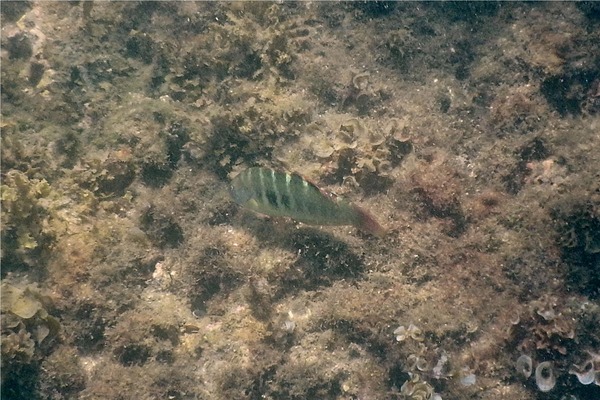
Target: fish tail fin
{"x": 367, "y": 223}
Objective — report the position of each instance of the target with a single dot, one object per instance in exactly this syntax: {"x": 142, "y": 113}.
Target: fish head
{"x": 241, "y": 194}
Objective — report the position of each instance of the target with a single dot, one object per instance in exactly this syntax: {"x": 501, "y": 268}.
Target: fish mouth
{"x": 240, "y": 195}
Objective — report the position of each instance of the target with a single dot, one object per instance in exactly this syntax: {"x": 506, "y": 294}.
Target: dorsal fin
{"x": 326, "y": 193}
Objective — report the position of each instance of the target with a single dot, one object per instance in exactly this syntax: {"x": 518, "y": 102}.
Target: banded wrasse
{"x": 282, "y": 194}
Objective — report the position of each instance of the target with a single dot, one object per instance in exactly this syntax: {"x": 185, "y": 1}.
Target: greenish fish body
{"x": 281, "y": 194}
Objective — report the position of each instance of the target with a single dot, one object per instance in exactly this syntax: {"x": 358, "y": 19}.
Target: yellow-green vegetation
{"x": 28, "y": 331}
{"x": 25, "y": 217}
{"x": 468, "y": 129}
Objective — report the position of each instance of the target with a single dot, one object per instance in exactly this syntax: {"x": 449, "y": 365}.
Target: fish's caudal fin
{"x": 367, "y": 223}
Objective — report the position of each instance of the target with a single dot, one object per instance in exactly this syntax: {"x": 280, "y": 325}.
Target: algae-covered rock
{"x": 24, "y": 307}
{"x": 20, "y": 302}
{"x": 62, "y": 374}
{"x": 23, "y": 217}
{"x": 468, "y": 129}
{"x": 27, "y": 333}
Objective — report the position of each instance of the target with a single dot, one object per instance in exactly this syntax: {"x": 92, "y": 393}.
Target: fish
{"x": 283, "y": 194}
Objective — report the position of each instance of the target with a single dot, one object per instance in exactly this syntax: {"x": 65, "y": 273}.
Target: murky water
{"x": 470, "y": 131}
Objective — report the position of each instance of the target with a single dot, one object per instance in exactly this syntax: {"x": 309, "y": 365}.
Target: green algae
{"x": 28, "y": 331}
{"x": 24, "y": 215}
